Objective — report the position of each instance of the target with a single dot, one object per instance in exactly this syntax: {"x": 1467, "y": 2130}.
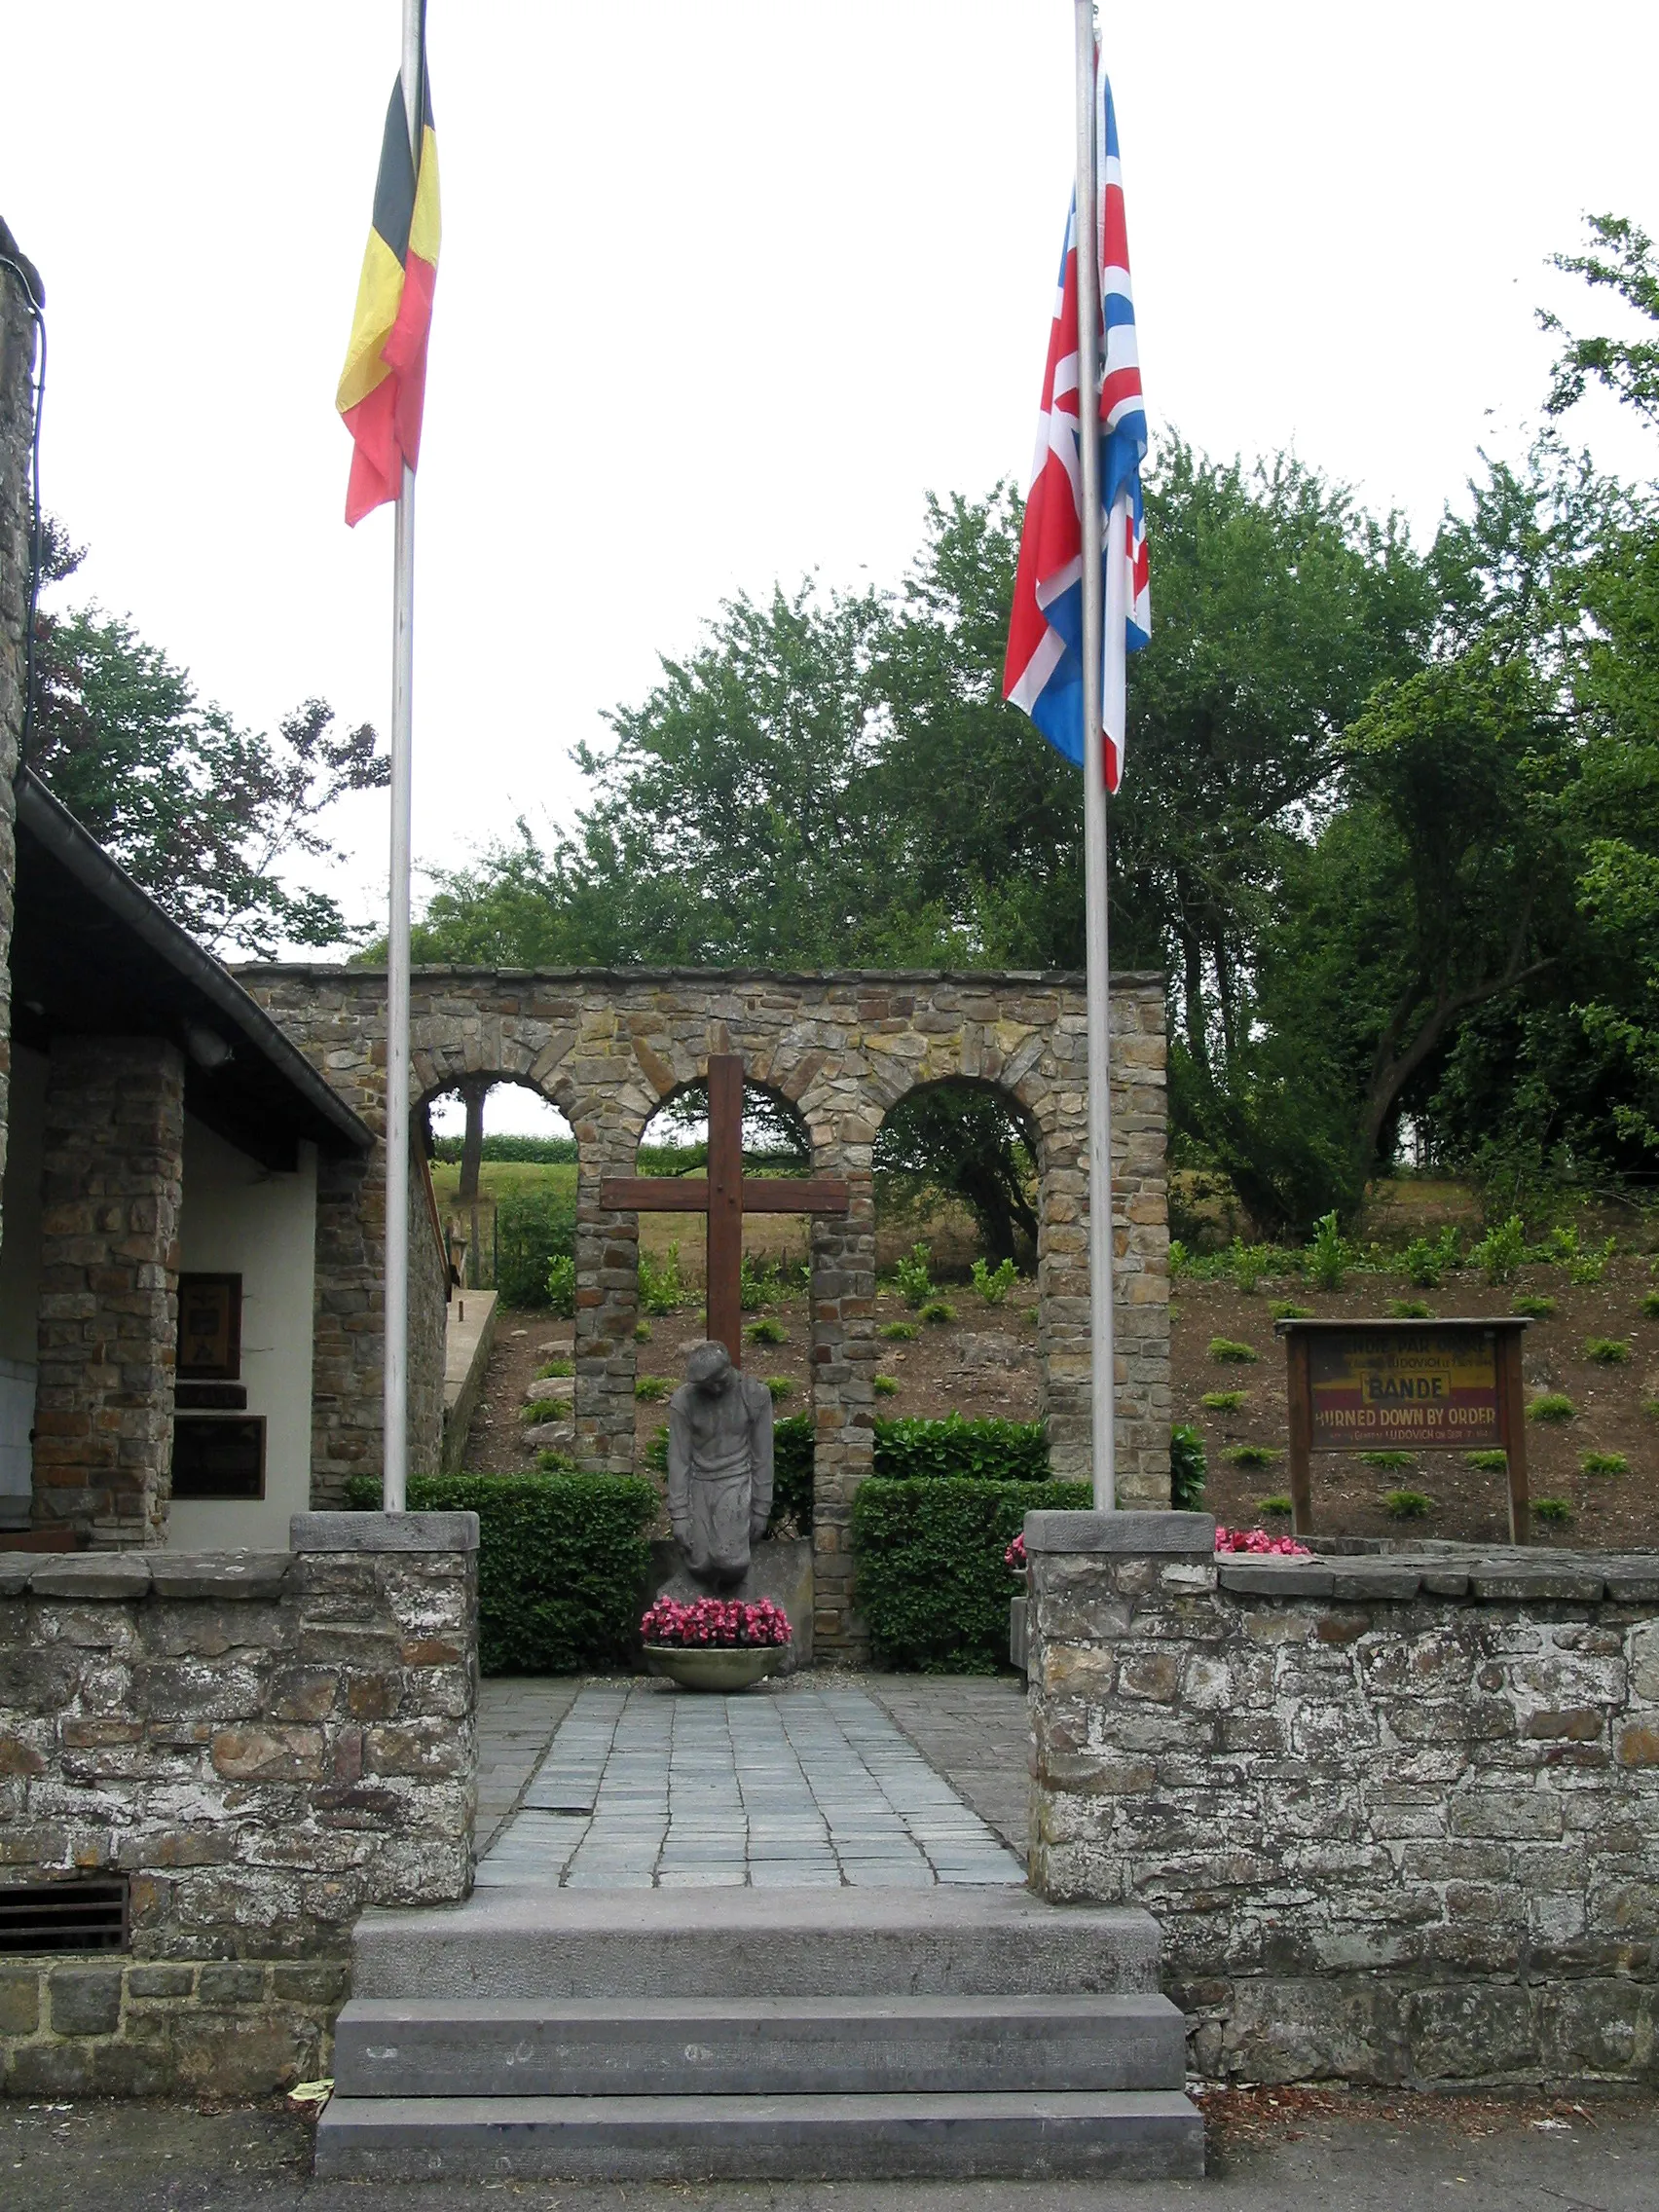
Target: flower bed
{"x": 714, "y": 1624}
{"x": 1258, "y": 1540}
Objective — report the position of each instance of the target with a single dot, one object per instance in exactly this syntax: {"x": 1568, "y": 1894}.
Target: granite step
{"x": 755, "y": 2047}
{"x": 1121, "y": 2135}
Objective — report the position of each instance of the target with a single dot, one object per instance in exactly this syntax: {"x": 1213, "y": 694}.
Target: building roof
{"x": 94, "y": 955}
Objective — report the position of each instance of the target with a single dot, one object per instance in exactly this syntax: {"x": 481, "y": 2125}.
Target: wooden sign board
{"x": 213, "y": 1457}
{"x": 1452, "y": 1385}
{"x": 209, "y": 1328}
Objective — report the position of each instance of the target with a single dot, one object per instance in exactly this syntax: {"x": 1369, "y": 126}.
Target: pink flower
{"x": 1258, "y": 1540}
{"x": 1014, "y": 1556}
{"x": 727, "y": 1623}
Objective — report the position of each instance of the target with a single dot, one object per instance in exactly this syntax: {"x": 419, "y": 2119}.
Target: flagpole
{"x": 1102, "y": 1360}
{"x": 395, "y": 1477}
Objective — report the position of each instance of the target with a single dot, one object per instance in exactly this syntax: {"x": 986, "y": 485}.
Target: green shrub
{"x": 986, "y": 1451}
{"x": 1551, "y": 1509}
{"x": 1487, "y": 1463}
{"x": 1187, "y": 1469}
{"x": 1330, "y": 1256}
{"x": 656, "y": 1451}
{"x": 562, "y": 1562}
{"x": 1650, "y": 1407}
{"x": 1231, "y": 1355}
{"x": 545, "y": 1409}
{"x": 1650, "y": 1304}
{"x": 1607, "y": 1351}
{"x": 1393, "y": 1460}
{"x": 1502, "y": 1250}
{"x": 885, "y": 1386}
{"x": 915, "y": 1284}
{"x": 898, "y": 1332}
{"x": 1033, "y": 1314}
{"x": 1602, "y": 1464}
{"x": 929, "y": 1572}
{"x": 1248, "y": 1264}
{"x": 562, "y": 1286}
{"x": 993, "y": 1284}
{"x": 766, "y": 1332}
{"x": 552, "y": 1370}
{"x": 1406, "y": 1504}
{"x": 1223, "y": 1401}
{"x": 791, "y": 1472}
{"x": 1410, "y": 1310}
{"x": 660, "y": 1288}
{"x": 939, "y": 1312}
{"x": 779, "y": 1386}
{"x": 650, "y": 1389}
{"x": 760, "y": 1283}
{"x": 1551, "y": 1406}
{"x": 1277, "y": 1505}
{"x": 1535, "y": 1309}
{"x": 1251, "y": 1455}
{"x": 534, "y": 1226}
{"x": 642, "y": 1332}
{"x": 538, "y": 1151}
{"x": 1425, "y": 1260}
{"x": 1591, "y": 1267}
{"x": 1287, "y": 1309}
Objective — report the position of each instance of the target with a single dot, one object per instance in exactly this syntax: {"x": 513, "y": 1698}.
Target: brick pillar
{"x": 17, "y": 420}
{"x": 843, "y": 1404}
{"x": 109, "y": 1287}
{"x": 607, "y": 1298}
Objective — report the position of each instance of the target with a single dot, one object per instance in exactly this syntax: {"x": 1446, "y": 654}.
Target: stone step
{"x": 942, "y": 1942}
{"x": 1122, "y": 2135}
{"x": 755, "y": 2047}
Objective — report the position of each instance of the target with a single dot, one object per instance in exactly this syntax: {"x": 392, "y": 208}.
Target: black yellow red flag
{"x": 383, "y": 386}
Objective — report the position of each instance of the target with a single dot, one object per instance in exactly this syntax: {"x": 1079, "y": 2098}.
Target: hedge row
{"x": 986, "y": 1451}
{"x": 929, "y": 1578}
{"x": 562, "y": 1562}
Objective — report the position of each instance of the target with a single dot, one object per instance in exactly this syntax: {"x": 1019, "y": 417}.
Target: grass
{"x": 1274, "y": 1505}
{"x": 1233, "y": 1354}
{"x": 1487, "y": 1463}
{"x": 1535, "y": 1308}
{"x": 1602, "y": 1464}
{"x": 545, "y": 1409}
{"x": 553, "y": 1369}
{"x": 898, "y": 1332}
{"x": 1223, "y": 1401}
{"x": 1650, "y": 1304}
{"x": 779, "y": 1386}
{"x": 650, "y": 1388}
{"x": 1406, "y": 1504}
{"x": 1251, "y": 1455}
{"x": 939, "y": 1312}
{"x": 1551, "y": 1509}
{"x": 1410, "y": 1310}
{"x": 1390, "y": 1460}
{"x": 1607, "y": 1351}
{"x": 766, "y": 1332}
{"x": 886, "y": 1385}
{"x": 1552, "y": 1405}
{"x": 1287, "y": 1309}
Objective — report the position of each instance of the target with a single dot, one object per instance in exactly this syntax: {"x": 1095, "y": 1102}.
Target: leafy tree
{"x": 1622, "y": 261}
{"x": 201, "y": 812}
{"x": 965, "y": 1143}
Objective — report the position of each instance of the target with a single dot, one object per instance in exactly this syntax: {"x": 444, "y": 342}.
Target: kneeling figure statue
{"x": 720, "y": 1465}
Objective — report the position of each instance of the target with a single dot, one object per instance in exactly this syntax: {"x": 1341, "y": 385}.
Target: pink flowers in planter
{"x": 1258, "y": 1540}
{"x": 1014, "y": 1556}
{"x": 714, "y": 1624}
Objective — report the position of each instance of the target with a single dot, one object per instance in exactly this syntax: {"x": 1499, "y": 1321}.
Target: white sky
{"x": 728, "y": 285}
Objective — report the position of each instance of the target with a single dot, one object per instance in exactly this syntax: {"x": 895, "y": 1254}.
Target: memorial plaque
{"x": 218, "y": 1457}
{"x": 209, "y": 1328}
{"x": 1432, "y": 1389}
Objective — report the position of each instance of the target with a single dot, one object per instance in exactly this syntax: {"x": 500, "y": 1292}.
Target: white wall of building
{"x": 239, "y": 1218}
{"x": 20, "y": 1279}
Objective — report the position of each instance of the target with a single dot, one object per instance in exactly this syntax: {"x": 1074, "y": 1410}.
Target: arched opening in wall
{"x": 503, "y": 1162}
{"x": 773, "y": 1288}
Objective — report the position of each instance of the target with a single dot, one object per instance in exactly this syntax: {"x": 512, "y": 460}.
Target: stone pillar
{"x": 17, "y": 421}
{"x": 843, "y": 1404}
{"x": 608, "y": 1303}
{"x": 109, "y": 1287}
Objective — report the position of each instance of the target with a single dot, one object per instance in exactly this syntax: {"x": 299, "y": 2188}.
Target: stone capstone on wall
{"x": 262, "y": 1745}
{"x": 1397, "y": 1817}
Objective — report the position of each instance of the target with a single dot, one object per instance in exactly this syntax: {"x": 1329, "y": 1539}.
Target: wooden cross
{"x": 725, "y": 1198}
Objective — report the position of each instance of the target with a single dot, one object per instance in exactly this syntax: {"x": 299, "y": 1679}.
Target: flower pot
{"x": 715, "y": 1667}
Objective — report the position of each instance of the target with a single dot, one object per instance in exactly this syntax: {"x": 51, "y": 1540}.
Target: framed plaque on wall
{"x": 209, "y": 1328}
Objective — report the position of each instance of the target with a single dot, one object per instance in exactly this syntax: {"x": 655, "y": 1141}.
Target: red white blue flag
{"x": 1044, "y": 672}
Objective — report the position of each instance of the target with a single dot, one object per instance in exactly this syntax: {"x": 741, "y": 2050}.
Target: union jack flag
{"x": 1044, "y": 672}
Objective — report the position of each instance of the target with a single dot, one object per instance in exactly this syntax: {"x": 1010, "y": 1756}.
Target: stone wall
{"x": 1398, "y": 1818}
{"x": 17, "y": 426}
{"x": 608, "y": 1048}
{"x": 113, "y": 1146}
{"x": 262, "y": 1745}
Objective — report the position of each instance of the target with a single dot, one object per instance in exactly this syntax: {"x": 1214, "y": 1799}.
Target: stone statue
{"x": 720, "y": 1465}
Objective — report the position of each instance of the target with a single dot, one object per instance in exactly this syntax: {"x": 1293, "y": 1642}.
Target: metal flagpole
{"x": 394, "y": 1479}
{"x": 1102, "y": 1361}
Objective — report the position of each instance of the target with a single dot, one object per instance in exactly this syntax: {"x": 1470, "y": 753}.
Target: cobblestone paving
{"x": 807, "y": 1783}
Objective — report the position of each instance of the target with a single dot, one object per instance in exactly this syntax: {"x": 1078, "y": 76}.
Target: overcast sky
{"x": 728, "y": 285}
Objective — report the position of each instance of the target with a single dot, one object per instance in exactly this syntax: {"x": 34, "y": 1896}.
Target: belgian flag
{"x": 383, "y": 386}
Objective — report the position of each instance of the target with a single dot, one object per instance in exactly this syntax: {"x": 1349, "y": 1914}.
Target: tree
{"x": 201, "y": 812}
{"x": 1625, "y": 264}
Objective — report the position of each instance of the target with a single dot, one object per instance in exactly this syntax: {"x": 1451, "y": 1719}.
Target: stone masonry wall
{"x": 262, "y": 1744}
{"x": 608, "y": 1048}
{"x": 16, "y": 425}
{"x": 109, "y": 1287}
{"x": 1398, "y": 1818}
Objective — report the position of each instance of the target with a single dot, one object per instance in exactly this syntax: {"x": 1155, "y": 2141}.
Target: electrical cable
{"x": 37, "y": 532}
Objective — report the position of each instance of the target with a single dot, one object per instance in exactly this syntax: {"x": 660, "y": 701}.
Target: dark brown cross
{"x": 725, "y": 1198}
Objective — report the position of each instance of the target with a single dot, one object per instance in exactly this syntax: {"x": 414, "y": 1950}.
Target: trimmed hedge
{"x": 929, "y": 1578}
{"x": 562, "y": 1564}
{"x": 984, "y": 1451}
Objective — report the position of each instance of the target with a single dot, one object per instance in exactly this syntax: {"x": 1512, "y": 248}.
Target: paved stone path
{"x": 807, "y": 1783}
